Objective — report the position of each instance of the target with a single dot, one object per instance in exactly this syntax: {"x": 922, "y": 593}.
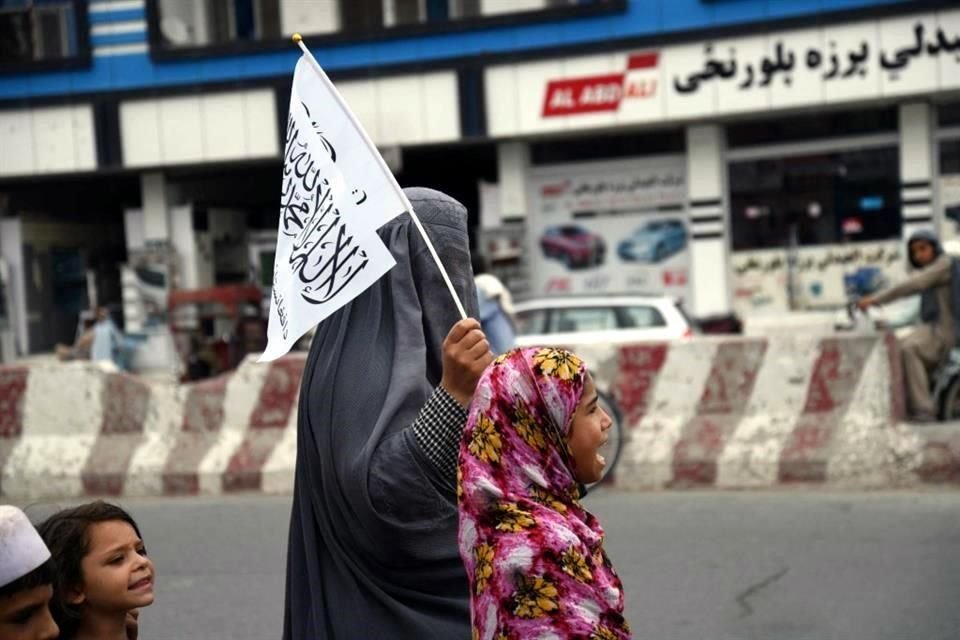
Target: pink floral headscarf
{"x": 534, "y": 555}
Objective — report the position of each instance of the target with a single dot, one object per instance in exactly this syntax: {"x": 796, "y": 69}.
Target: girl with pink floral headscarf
{"x": 534, "y": 556}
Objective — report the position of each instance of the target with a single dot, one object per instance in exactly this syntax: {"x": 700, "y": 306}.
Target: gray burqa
{"x": 373, "y": 531}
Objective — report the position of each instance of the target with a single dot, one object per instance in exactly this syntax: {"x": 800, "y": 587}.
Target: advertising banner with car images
{"x": 609, "y": 227}
{"x": 829, "y": 64}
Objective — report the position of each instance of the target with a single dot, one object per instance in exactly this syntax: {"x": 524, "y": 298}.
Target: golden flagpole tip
{"x": 297, "y": 38}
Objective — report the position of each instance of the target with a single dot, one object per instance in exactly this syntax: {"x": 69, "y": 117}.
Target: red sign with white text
{"x": 583, "y": 95}
{"x": 594, "y": 94}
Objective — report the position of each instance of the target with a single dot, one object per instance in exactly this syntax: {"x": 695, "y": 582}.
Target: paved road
{"x": 697, "y": 566}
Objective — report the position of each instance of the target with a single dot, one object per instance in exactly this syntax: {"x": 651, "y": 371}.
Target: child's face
{"x": 117, "y": 575}
{"x": 26, "y": 615}
{"x": 587, "y": 434}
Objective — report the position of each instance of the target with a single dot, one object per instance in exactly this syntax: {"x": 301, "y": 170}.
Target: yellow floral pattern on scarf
{"x": 558, "y": 363}
{"x": 483, "y": 555}
{"x": 602, "y": 632}
{"x": 527, "y": 427}
{"x": 547, "y": 499}
{"x": 598, "y": 557}
{"x": 485, "y": 441}
{"x": 575, "y": 565}
{"x": 535, "y": 597}
{"x": 510, "y": 517}
{"x": 459, "y": 483}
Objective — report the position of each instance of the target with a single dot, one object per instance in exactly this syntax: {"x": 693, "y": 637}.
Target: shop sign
{"x": 594, "y": 94}
{"x": 822, "y": 277}
{"x": 643, "y": 187}
{"x": 835, "y": 60}
{"x": 829, "y": 64}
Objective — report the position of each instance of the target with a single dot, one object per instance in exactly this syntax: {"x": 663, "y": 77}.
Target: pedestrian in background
{"x": 372, "y": 547}
{"x": 107, "y": 338}
{"x": 103, "y": 575}
{"x": 937, "y": 280}
{"x": 534, "y": 554}
{"x": 495, "y": 306}
{"x": 26, "y": 580}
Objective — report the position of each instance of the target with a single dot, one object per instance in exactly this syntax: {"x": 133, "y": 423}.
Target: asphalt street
{"x": 696, "y": 566}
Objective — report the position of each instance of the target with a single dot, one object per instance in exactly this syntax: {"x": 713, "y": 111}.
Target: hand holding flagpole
{"x": 298, "y": 39}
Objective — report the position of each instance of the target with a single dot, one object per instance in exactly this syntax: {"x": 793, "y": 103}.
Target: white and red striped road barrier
{"x": 736, "y": 413}
{"x": 73, "y": 429}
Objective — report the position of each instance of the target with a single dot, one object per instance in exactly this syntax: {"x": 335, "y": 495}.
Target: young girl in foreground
{"x": 533, "y": 554}
{"x": 103, "y": 573}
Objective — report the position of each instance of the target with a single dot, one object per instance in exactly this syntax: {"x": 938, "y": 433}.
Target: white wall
{"x": 47, "y": 140}
{"x": 411, "y": 109}
{"x": 199, "y": 128}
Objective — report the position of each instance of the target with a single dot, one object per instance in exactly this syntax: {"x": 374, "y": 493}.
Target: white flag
{"x": 336, "y": 193}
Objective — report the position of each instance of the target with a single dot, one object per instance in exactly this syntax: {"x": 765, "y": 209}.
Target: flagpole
{"x": 298, "y": 39}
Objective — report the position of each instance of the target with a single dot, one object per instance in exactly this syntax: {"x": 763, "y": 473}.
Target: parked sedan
{"x": 573, "y": 245}
{"x": 600, "y": 320}
{"x": 654, "y": 242}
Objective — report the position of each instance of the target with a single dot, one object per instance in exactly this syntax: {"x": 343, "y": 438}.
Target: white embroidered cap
{"x": 21, "y": 548}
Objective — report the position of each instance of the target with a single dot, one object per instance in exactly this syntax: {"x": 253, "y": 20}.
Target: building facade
{"x": 749, "y": 156}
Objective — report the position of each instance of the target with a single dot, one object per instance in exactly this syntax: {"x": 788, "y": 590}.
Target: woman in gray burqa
{"x": 373, "y": 531}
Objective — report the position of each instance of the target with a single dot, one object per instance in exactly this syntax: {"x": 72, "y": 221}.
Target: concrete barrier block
{"x": 724, "y": 412}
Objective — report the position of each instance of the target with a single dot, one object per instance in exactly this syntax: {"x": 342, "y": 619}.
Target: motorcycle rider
{"x": 927, "y": 345}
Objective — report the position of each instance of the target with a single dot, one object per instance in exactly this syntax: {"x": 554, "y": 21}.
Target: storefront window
{"x": 189, "y": 23}
{"x": 948, "y": 116}
{"x": 827, "y": 198}
{"x": 607, "y": 147}
{"x": 950, "y": 157}
{"x": 205, "y": 23}
{"x": 37, "y": 30}
{"x": 812, "y": 127}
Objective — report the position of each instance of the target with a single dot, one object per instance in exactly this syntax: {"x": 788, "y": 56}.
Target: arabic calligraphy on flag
{"x": 334, "y": 195}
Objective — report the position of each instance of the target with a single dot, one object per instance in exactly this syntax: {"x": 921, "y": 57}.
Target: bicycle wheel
{"x": 611, "y": 450}
{"x": 950, "y": 405}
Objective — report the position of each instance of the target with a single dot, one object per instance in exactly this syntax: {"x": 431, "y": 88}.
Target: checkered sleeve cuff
{"x": 438, "y": 429}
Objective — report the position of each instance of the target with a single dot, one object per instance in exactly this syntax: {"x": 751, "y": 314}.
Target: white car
{"x": 600, "y": 320}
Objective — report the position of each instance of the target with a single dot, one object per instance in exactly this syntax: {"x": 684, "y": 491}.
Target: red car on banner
{"x": 573, "y": 245}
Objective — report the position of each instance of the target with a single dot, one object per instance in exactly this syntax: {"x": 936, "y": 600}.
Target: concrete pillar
{"x": 709, "y": 221}
{"x": 193, "y": 270}
{"x": 156, "y": 210}
{"x": 11, "y": 254}
{"x": 513, "y": 162}
{"x": 917, "y": 168}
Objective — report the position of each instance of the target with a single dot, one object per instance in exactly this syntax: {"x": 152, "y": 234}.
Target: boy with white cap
{"x": 26, "y": 580}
